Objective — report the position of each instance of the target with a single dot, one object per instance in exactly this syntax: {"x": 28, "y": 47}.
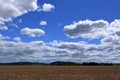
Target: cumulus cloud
{"x": 18, "y": 39}
{"x": 32, "y": 32}
{"x": 12, "y": 51}
{"x": 114, "y": 27}
{"x": 43, "y": 23}
{"x": 3, "y": 28}
{"x": 106, "y": 51}
{"x": 54, "y": 51}
{"x": 3, "y": 37}
{"x": 86, "y": 29}
{"x": 46, "y": 7}
{"x": 82, "y": 51}
{"x": 13, "y": 8}
{"x": 92, "y": 29}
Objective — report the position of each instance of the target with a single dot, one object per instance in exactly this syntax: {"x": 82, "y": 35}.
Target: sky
{"x": 60, "y": 30}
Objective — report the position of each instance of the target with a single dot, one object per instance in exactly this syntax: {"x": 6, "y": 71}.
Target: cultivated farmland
{"x": 59, "y": 72}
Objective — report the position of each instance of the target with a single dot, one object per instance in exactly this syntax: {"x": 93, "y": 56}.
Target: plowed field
{"x": 59, "y": 73}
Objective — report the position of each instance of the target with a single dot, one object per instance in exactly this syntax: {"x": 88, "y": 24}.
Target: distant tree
{"x": 60, "y": 63}
{"x": 64, "y": 63}
{"x": 90, "y": 63}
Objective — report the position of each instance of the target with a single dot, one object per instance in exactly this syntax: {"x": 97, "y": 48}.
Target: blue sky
{"x": 65, "y": 13}
{"x": 59, "y": 24}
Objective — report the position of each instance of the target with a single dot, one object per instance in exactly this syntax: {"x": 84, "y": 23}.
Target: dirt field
{"x": 59, "y": 73}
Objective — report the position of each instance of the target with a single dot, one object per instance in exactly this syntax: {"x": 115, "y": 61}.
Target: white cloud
{"x": 3, "y": 37}
{"x": 14, "y": 8}
{"x": 114, "y": 27}
{"x": 46, "y": 7}
{"x": 18, "y": 39}
{"x": 87, "y": 29}
{"x": 106, "y": 51}
{"x": 32, "y": 32}
{"x": 14, "y": 25}
{"x": 92, "y": 29}
{"x": 3, "y": 28}
{"x": 62, "y": 51}
{"x": 13, "y": 51}
{"x": 43, "y": 23}
{"x": 81, "y": 51}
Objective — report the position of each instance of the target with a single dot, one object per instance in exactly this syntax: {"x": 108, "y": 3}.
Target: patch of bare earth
{"x": 59, "y": 73}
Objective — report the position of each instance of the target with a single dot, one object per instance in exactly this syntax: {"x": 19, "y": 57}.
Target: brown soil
{"x": 59, "y": 73}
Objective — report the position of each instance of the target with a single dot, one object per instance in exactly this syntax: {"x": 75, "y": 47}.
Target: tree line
{"x": 60, "y": 63}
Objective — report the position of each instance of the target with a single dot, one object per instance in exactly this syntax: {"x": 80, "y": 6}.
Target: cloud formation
{"x": 32, "y": 32}
{"x": 43, "y": 23}
{"x": 12, "y": 51}
{"x": 107, "y": 51}
{"x": 3, "y": 28}
{"x": 59, "y": 51}
{"x": 14, "y": 8}
{"x": 3, "y": 37}
{"x": 46, "y": 7}
{"x": 18, "y": 39}
{"x": 86, "y": 29}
